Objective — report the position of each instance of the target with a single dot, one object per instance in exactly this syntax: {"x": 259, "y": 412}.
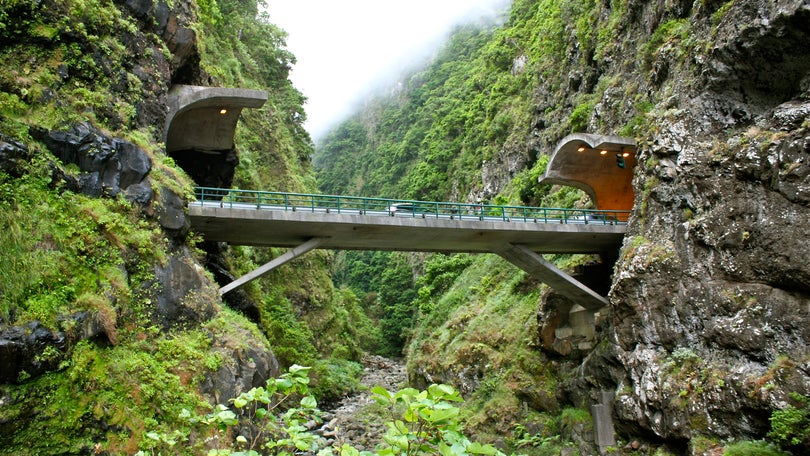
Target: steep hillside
{"x": 704, "y": 341}
{"x": 111, "y": 329}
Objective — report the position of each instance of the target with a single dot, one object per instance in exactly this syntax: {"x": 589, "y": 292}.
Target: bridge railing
{"x": 234, "y": 198}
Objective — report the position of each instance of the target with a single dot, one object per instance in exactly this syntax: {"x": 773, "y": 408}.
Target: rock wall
{"x": 182, "y": 295}
{"x": 711, "y": 296}
{"x": 707, "y": 329}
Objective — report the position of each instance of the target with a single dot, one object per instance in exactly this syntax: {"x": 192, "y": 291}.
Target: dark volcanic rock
{"x": 185, "y": 297}
{"x": 247, "y": 366}
{"x": 31, "y": 350}
{"x": 12, "y": 156}
{"x": 711, "y": 297}
{"x": 21, "y": 347}
{"x": 171, "y": 212}
{"x": 109, "y": 166}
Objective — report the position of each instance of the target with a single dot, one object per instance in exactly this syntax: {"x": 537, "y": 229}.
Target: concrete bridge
{"x": 199, "y": 133}
{"x": 305, "y": 222}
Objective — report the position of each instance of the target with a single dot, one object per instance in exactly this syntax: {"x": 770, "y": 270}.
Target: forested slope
{"x": 704, "y": 341}
{"x": 112, "y": 331}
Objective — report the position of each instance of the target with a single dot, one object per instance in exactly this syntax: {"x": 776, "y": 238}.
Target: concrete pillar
{"x": 604, "y": 433}
{"x": 551, "y": 275}
{"x": 283, "y": 259}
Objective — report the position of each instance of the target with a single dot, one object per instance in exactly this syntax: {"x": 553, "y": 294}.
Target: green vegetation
{"x": 496, "y": 94}
{"x": 667, "y": 32}
{"x": 415, "y": 144}
{"x": 395, "y": 295}
{"x": 580, "y": 116}
{"x": 65, "y": 253}
{"x": 242, "y": 48}
{"x": 429, "y": 423}
{"x": 755, "y": 448}
{"x": 791, "y": 425}
{"x": 143, "y": 384}
{"x": 721, "y": 12}
{"x": 428, "y": 140}
{"x": 421, "y": 423}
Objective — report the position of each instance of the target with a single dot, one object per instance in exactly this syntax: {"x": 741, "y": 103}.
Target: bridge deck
{"x": 244, "y": 224}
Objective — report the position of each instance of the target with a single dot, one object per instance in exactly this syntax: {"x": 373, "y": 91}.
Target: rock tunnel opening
{"x": 207, "y": 168}
{"x": 200, "y": 128}
{"x": 599, "y": 165}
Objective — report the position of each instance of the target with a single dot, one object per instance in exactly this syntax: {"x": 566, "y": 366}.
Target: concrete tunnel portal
{"x": 600, "y": 165}
{"x": 200, "y": 127}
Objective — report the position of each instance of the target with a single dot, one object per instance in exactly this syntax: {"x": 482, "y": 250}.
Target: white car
{"x": 409, "y": 208}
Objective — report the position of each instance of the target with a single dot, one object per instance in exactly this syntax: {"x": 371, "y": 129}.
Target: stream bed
{"x": 358, "y": 420}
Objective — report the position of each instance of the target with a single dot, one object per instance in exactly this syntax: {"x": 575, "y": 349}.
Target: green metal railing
{"x": 234, "y": 198}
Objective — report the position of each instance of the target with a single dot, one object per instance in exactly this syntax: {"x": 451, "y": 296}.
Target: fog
{"x": 344, "y": 48}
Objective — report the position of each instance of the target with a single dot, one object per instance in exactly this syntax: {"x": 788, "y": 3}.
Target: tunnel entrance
{"x": 600, "y": 165}
{"x": 208, "y": 168}
{"x": 200, "y": 127}
{"x": 199, "y": 130}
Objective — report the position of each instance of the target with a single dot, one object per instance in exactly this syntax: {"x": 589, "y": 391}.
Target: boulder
{"x": 12, "y": 156}
{"x": 31, "y": 350}
{"x": 171, "y": 212}
{"x": 247, "y": 366}
{"x": 184, "y": 296}
{"x": 108, "y": 166}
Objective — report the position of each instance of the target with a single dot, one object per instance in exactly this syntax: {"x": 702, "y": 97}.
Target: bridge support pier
{"x": 551, "y": 275}
{"x": 291, "y": 254}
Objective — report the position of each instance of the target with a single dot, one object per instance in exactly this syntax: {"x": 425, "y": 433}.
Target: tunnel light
{"x": 581, "y": 149}
{"x": 626, "y": 154}
{"x": 223, "y": 111}
{"x": 604, "y": 152}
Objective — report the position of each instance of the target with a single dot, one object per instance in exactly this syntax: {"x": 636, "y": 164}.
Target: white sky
{"x": 345, "y": 47}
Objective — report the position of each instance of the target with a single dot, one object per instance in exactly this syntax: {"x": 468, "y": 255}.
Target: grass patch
{"x": 65, "y": 252}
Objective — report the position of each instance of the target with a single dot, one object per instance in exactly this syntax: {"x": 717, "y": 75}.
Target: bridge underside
{"x": 521, "y": 243}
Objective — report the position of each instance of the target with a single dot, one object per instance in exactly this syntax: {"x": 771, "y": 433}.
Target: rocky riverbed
{"x": 358, "y": 420}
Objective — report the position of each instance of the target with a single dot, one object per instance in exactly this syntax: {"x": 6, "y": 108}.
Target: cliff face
{"x": 707, "y": 330}
{"x": 711, "y": 296}
{"x": 110, "y": 326}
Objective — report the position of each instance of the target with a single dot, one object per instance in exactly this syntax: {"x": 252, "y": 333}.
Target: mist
{"x": 344, "y": 49}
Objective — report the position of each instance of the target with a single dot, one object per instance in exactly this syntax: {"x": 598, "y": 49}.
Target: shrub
{"x": 270, "y": 420}
{"x": 791, "y": 425}
{"x": 580, "y": 116}
{"x": 334, "y": 378}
